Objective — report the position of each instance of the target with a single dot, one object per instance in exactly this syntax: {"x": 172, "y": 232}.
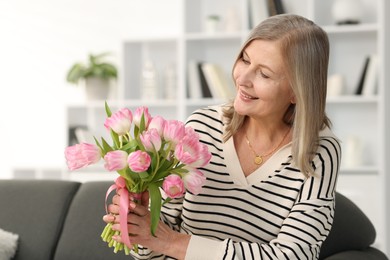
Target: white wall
{"x": 39, "y": 41}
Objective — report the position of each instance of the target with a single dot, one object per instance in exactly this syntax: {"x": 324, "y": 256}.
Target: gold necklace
{"x": 259, "y": 158}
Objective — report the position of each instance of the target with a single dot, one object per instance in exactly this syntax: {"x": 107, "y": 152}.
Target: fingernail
{"x": 115, "y": 227}
{"x": 132, "y": 205}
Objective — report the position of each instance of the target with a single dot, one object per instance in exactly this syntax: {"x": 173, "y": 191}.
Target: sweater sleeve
{"x": 304, "y": 229}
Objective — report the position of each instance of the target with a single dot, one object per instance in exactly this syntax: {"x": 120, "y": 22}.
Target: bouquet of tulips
{"x": 149, "y": 154}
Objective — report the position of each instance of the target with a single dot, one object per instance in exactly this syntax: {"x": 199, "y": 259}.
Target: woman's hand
{"x": 166, "y": 241}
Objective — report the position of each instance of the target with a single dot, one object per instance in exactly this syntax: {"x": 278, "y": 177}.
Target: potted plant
{"x": 96, "y": 74}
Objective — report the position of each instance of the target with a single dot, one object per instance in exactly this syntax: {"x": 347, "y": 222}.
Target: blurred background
{"x": 40, "y": 40}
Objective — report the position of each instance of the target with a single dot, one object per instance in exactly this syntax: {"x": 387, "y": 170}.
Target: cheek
{"x": 237, "y": 73}
{"x": 270, "y": 91}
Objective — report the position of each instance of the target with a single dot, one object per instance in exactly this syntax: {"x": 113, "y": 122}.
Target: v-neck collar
{"x": 261, "y": 173}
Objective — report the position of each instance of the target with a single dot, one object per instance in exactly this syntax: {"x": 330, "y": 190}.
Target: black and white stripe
{"x": 285, "y": 216}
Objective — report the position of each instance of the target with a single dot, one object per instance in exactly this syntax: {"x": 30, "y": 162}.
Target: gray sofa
{"x": 58, "y": 220}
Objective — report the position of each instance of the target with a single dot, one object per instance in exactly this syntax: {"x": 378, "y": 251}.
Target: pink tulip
{"x": 139, "y": 161}
{"x": 174, "y": 131}
{"x": 194, "y": 180}
{"x": 138, "y": 115}
{"x": 190, "y": 132}
{"x": 173, "y": 186}
{"x": 158, "y": 123}
{"x": 192, "y": 152}
{"x": 81, "y": 155}
{"x": 120, "y": 121}
{"x": 151, "y": 140}
{"x": 115, "y": 160}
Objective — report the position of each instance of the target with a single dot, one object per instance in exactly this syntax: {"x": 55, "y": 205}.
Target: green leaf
{"x": 106, "y": 146}
{"x": 136, "y": 131}
{"x": 108, "y": 110}
{"x": 160, "y": 175}
{"x": 143, "y": 175}
{"x": 115, "y": 138}
{"x": 130, "y": 146}
{"x": 167, "y": 200}
{"x": 155, "y": 206}
{"x": 97, "y": 143}
{"x": 142, "y": 123}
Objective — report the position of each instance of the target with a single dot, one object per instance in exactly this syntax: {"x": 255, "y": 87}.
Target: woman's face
{"x": 263, "y": 90}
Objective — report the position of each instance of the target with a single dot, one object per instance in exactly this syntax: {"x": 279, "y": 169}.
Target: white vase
{"x": 347, "y": 11}
{"x": 97, "y": 88}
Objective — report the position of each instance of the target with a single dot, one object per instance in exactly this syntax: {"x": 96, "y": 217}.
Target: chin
{"x": 239, "y": 108}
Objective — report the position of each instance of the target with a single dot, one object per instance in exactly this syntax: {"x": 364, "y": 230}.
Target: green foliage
{"x": 155, "y": 205}
{"x": 96, "y": 67}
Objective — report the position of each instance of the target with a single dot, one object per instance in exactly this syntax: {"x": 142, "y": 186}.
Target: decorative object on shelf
{"x": 212, "y": 23}
{"x": 353, "y": 152}
{"x": 170, "y": 88}
{"x": 149, "y": 81}
{"x": 259, "y": 11}
{"x": 96, "y": 75}
{"x": 232, "y": 20}
{"x": 148, "y": 153}
{"x": 347, "y": 11}
{"x": 335, "y": 85}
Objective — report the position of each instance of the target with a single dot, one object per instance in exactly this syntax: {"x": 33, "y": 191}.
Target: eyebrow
{"x": 260, "y": 65}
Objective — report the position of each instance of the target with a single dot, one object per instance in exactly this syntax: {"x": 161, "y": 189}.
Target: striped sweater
{"x": 274, "y": 213}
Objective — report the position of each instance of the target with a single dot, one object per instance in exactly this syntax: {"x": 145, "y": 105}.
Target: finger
{"x": 145, "y": 198}
{"x": 113, "y": 209}
{"x": 108, "y": 218}
{"x": 132, "y": 229}
{"x": 138, "y": 209}
{"x": 115, "y": 199}
{"x": 118, "y": 238}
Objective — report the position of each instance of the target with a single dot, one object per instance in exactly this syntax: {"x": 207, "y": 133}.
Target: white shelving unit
{"x": 364, "y": 117}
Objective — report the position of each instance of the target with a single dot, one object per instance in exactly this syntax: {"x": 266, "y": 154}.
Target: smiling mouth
{"x": 245, "y": 96}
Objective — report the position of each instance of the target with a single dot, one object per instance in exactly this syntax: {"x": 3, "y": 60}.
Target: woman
{"x": 270, "y": 188}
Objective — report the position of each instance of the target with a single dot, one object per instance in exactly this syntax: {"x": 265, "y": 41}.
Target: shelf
{"x": 213, "y": 36}
{"x": 360, "y": 170}
{"x": 352, "y": 99}
{"x": 359, "y": 28}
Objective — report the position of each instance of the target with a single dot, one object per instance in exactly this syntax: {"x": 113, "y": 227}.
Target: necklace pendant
{"x": 258, "y": 160}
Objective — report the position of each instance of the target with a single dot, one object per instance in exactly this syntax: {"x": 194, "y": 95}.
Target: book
{"x": 194, "y": 84}
{"x": 359, "y": 88}
{"x": 275, "y": 7}
{"x": 217, "y": 81}
{"x": 206, "y": 93}
{"x": 279, "y": 6}
{"x": 259, "y": 11}
{"x": 371, "y": 78}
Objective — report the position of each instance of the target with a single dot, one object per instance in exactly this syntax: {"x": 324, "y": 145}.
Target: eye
{"x": 245, "y": 61}
{"x": 260, "y": 73}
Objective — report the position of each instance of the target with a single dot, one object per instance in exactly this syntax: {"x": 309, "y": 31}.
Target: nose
{"x": 244, "y": 77}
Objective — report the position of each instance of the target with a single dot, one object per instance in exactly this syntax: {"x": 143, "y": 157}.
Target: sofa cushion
{"x": 35, "y": 210}
{"x": 80, "y": 238}
{"x": 367, "y": 254}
